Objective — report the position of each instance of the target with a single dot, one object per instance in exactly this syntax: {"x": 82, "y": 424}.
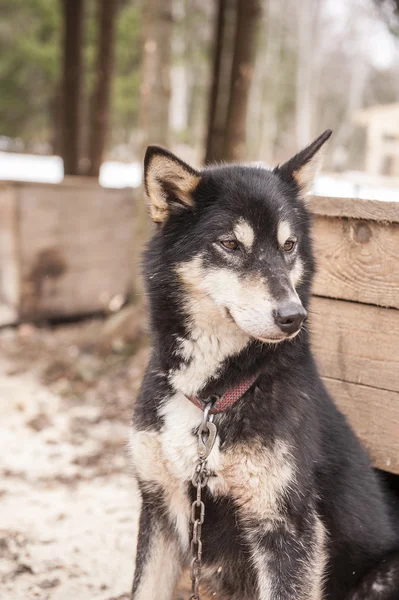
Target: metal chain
{"x": 206, "y": 438}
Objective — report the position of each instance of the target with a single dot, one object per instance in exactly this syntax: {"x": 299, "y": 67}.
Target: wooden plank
{"x": 76, "y": 248}
{"x": 73, "y": 181}
{"x": 374, "y": 415}
{"x": 356, "y": 342}
{"x": 357, "y": 260}
{"x": 355, "y": 208}
{"x": 9, "y": 256}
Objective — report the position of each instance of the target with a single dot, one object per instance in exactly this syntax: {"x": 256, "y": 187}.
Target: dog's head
{"x": 236, "y": 238}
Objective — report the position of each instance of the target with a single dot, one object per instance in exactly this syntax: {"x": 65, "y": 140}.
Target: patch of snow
{"x": 50, "y": 169}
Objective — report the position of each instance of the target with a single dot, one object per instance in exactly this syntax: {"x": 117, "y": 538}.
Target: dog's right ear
{"x": 304, "y": 166}
{"x": 169, "y": 183}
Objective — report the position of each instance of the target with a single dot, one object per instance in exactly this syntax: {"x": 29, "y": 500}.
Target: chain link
{"x": 206, "y": 439}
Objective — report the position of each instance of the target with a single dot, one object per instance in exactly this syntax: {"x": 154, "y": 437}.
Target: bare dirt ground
{"x": 68, "y": 505}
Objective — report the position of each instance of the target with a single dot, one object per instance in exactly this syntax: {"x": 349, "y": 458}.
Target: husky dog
{"x": 294, "y": 510}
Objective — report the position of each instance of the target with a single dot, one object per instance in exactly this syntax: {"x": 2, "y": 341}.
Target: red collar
{"x": 229, "y": 397}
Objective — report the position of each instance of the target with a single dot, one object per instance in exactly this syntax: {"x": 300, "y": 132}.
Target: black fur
{"x": 288, "y": 402}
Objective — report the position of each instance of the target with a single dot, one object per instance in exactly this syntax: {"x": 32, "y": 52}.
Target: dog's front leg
{"x": 158, "y": 559}
{"x": 289, "y": 561}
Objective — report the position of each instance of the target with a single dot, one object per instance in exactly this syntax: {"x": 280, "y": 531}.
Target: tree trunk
{"x": 213, "y": 138}
{"x": 72, "y": 75}
{"x": 219, "y": 93}
{"x": 308, "y": 18}
{"x": 248, "y": 12}
{"x": 157, "y": 26}
{"x": 100, "y": 100}
{"x": 155, "y": 88}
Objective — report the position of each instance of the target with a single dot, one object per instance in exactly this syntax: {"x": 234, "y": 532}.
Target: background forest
{"x": 92, "y": 80}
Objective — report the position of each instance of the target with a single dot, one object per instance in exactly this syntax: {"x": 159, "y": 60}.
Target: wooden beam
{"x": 355, "y": 208}
{"x": 355, "y": 342}
{"x": 357, "y": 260}
{"x": 374, "y": 415}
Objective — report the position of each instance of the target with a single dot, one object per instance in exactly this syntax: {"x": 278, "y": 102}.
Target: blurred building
{"x": 382, "y": 151}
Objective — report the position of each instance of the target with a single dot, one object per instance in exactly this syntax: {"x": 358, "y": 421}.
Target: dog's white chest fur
{"x": 256, "y": 477}
{"x": 168, "y": 458}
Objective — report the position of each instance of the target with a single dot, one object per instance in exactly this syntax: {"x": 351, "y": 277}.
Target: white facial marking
{"x": 244, "y": 233}
{"x": 224, "y": 312}
{"x": 296, "y": 273}
{"x": 283, "y": 232}
{"x": 213, "y": 336}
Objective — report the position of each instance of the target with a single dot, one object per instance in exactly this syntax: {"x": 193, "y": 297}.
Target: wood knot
{"x": 361, "y": 232}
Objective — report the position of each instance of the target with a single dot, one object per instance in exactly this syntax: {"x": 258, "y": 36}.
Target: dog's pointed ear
{"x": 302, "y": 168}
{"x": 169, "y": 183}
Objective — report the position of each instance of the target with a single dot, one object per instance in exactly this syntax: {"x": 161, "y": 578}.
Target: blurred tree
{"x": 100, "y": 99}
{"x": 157, "y": 28}
{"x": 234, "y": 46}
{"x": 72, "y": 82}
{"x": 220, "y": 80}
{"x": 125, "y": 96}
{"x": 189, "y": 75}
{"x": 389, "y": 10}
{"x": 155, "y": 92}
{"x": 308, "y": 29}
{"x": 341, "y": 76}
{"x": 31, "y": 81}
{"x": 30, "y": 47}
{"x": 248, "y": 13}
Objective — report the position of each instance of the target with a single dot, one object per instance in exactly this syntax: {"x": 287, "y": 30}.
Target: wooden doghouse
{"x": 65, "y": 249}
{"x": 355, "y": 316}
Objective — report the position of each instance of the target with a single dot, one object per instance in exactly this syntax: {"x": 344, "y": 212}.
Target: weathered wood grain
{"x": 357, "y": 260}
{"x": 356, "y": 342}
{"x": 75, "y": 248}
{"x": 9, "y": 256}
{"x": 374, "y": 415}
{"x": 355, "y": 208}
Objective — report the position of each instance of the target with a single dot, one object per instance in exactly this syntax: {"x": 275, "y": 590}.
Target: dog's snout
{"x": 290, "y": 316}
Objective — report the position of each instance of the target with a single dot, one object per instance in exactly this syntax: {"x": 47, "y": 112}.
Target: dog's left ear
{"x": 302, "y": 168}
{"x": 169, "y": 183}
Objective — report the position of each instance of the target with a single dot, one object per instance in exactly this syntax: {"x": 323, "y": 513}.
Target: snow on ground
{"x": 50, "y": 169}
{"x": 68, "y": 504}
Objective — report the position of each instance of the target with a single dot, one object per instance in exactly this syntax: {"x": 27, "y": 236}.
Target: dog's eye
{"x": 229, "y": 244}
{"x": 289, "y": 245}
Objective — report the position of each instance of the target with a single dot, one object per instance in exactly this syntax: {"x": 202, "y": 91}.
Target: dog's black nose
{"x": 289, "y": 317}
